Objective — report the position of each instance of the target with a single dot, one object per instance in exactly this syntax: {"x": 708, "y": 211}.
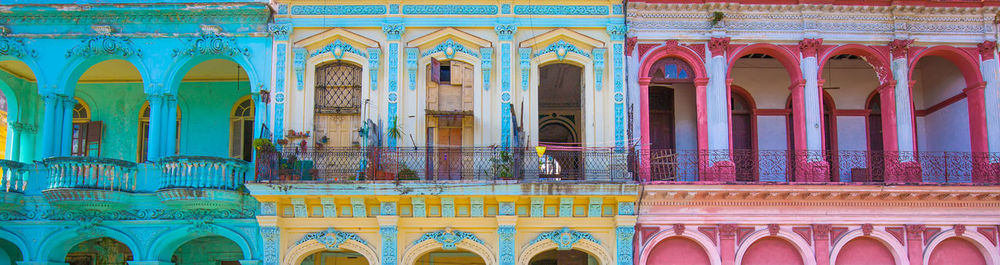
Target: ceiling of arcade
{"x": 120, "y": 71}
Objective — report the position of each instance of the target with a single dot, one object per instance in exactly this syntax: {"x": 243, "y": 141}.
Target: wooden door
{"x": 876, "y": 154}
{"x": 743, "y": 155}
{"x": 661, "y": 118}
{"x": 449, "y": 153}
{"x": 339, "y": 129}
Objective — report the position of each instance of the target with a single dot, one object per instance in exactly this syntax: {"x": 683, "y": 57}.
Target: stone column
{"x": 821, "y": 240}
{"x": 394, "y": 34}
{"x": 390, "y": 235}
{"x": 155, "y": 138}
{"x": 727, "y": 243}
{"x": 49, "y": 129}
{"x": 713, "y": 136}
{"x": 990, "y": 68}
{"x": 814, "y": 168}
{"x": 904, "y": 110}
{"x": 66, "y": 121}
{"x": 915, "y": 244}
{"x": 505, "y": 33}
{"x": 170, "y": 134}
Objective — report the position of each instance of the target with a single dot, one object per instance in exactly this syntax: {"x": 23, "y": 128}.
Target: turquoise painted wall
{"x": 207, "y": 251}
{"x": 117, "y": 105}
{"x": 205, "y": 108}
{"x": 24, "y": 106}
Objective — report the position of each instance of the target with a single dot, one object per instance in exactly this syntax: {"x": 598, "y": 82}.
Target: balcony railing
{"x": 820, "y": 166}
{"x": 12, "y": 176}
{"x": 202, "y": 172}
{"x": 91, "y": 173}
{"x": 442, "y": 164}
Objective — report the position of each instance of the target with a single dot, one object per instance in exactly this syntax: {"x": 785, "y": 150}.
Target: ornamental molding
{"x": 331, "y": 239}
{"x": 328, "y": 10}
{"x": 15, "y": 47}
{"x": 449, "y": 238}
{"x": 57, "y": 214}
{"x": 450, "y": 9}
{"x": 211, "y": 43}
{"x": 564, "y": 238}
{"x": 280, "y": 31}
{"x": 561, "y": 48}
{"x": 562, "y": 10}
{"x": 860, "y": 9}
{"x": 449, "y": 47}
{"x": 221, "y": 14}
{"x": 106, "y": 45}
{"x": 338, "y": 48}
{"x": 820, "y": 196}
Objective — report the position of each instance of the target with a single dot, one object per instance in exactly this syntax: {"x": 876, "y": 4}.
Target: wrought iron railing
{"x": 76, "y": 172}
{"x": 12, "y": 176}
{"x": 443, "y": 164}
{"x": 816, "y": 166}
{"x": 202, "y": 172}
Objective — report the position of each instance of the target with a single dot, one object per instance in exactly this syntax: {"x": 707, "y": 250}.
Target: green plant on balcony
{"x": 263, "y": 145}
{"x": 393, "y": 132}
{"x": 502, "y": 165}
{"x": 405, "y": 173}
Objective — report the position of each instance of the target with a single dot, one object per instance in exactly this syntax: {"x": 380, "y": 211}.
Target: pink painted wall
{"x": 772, "y": 251}
{"x": 677, "y": 251}
{"x": 864, "y": 251}
{"x": 954, "y": 251}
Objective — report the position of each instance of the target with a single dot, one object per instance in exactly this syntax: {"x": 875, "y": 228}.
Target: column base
{"x": 812, "y": 171}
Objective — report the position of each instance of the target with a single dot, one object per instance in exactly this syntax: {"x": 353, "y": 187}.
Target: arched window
{"x": 144, "y": 133}
{"x": 743, "y": 135}
{"x": 241, "y": 130}
{"x": 338, "y": 104}
{"x": 86, "y": 138}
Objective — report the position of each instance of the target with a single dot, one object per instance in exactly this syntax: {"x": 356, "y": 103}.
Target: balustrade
{"x": 202, "y": 172}
{"x": 12, "y": 176}
{"x": 91, "y": 173}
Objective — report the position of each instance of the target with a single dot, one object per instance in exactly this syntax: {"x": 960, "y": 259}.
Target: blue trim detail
{"x": 450, "y": 9}
{"x": 624, "y": 237}
{"x": 373, "y": 60}
{"x": 563, "y": 47}
{"x": 598, "y": 68}
{"x": 389, "y": 237}
{"x": 565, "y": 238}
{"x": 331, "y": 238}
{"x": 279, "y": 89}
{"x": 337, "y": 44}
{"x": 507, "y": 250}
{"x": 486, "y": 59}
{"x": 412, "y": 55}
{"x": 338, "y": 10}
{"x": 619, "y": 81}
{"x": 448, "y": 238}
{"x": 300, "y": 67}
{"x": 560, "y": 10}
{"x": 452, "y": 46}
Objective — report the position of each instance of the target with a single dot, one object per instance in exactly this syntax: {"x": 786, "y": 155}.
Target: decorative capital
{"x": 617, "y": 32}
{"x": 15, "y": 47}
{"x": 448, "y": 238}
{"x": 104, "y": 45}
{"x": 899, "y": 48}
{"x": 810, "y": 47}
{"x": 727, "y": 231}
{"x": 866, "y": 229}
{"x": 505, "y": 31}
{"x": 718, "y": 46}
{"x": 279, "y": 31}
{"x": 393, "y": 31}
{"x": 985, "y": 49}
{"x": 773, "y": 229}
{"x": 212, "y": 43}
{"x": 822, "y": 231}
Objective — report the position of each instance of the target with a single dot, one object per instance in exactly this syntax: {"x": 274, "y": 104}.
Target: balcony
{"x": 201, "y": 182}
{"x": 748, "y": 166}
{"x": 89, "y": 182}
{"x": 12, "y": 183}
{"x": 443, "y": 165}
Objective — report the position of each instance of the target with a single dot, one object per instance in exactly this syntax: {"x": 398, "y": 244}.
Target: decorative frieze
{"x": 561, "y": 10}
{"x": 211, "y": 43}
{"x": 450, "y": 9}
{"x": 564, "y": 238}
{"x": 108, "y": 45}
{"x": 332, "y": 10}
{"x": 15, "y": 47}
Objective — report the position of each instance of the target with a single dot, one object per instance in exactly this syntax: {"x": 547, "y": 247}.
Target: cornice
{"x": 732, "y": 7}
{"x": 95, "y": 15}
{"x": 821, "y": 195}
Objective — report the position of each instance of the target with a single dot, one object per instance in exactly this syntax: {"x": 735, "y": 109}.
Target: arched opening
{"x": 865, "y": 251}
{"x": 743, "y": 121}
{"x": 875, "y": 171}
{"x": 99, "y": 251}
{"x": 86, "y": 139}
{"x": 108, "y": 117}
{"x": 208, "y": 250}
{"x": 144, "y": 133}
{"x": 16, "y": 81}
{"x": 848, "y": 79}
{"x": 205, "y": 131}
{"x": 450, "y": 257}
{"x": 765, "y": 80}
{"x": 672, "y": 119}
{"x": 241, "y": 129}
{"x": 942, "y": 120}
{"x": 9, "y": 253}
{"x": 564, "y": 257}
{"x": 560, "y": 119}
{"x": 449, "y": 119}
{"x": 338, "y": 104}
{"x": 956, "y": 250}
{"x": 335, "y": 258}
{"x": 829, "y": 137}
{"x": 678, "y": 251}
{"x": 771, "y": 250}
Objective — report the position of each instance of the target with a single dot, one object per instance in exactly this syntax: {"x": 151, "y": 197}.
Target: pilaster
{"x": 394, "y": 33}
{"x": 50, "y": 130}
{"x": 271, "y": 236}
{"x": 915, "y": 244}
{"x": 505, "y": 33}
{"x": 904, "y": 112}
{"x": 389, "y": 232}
{"x": 715, "y": 104}
{"x": 507, "y": 230}
{"x": 153, "y": 140}
{"x": 279, "y": 33}
{"x": 617, "y": 33}
{"x": 66, "y": 135}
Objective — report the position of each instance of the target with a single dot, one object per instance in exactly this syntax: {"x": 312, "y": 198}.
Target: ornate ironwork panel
{"x": 338, "y": 88}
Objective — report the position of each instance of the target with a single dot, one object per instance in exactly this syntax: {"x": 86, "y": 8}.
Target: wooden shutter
{"x": 468, "y": 89}
{"x": 457, "y": 76}
{"x": 432, "y": 85}
{"x": 93, "y": 142}
{"x": 236, "y": 138}
{"x": 435, "y": 71}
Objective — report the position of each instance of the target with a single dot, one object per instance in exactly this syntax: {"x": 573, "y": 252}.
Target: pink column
{"x": 644, "y": 172}
{"x": 977, "y": 126}
{"x": 915, "y": 244}
{"x": 821, "y": 241}
{"x": 727, "y": 243}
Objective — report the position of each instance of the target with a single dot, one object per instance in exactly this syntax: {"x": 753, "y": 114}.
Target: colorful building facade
{"x": 513, "y": 132}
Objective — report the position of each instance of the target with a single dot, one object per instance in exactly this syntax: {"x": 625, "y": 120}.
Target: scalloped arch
{"x": 167, "y": 243}
{"x": 55, "y": 247}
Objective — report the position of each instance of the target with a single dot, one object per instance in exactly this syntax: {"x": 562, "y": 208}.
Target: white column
{"x": 717, "y": 105}
{"x": 991, "y": 74}
{"x": 811, "y": 102}
{"x": 904, "y": 113}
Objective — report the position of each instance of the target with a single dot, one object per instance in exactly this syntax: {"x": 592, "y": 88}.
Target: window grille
{"x": 338, "y": 89}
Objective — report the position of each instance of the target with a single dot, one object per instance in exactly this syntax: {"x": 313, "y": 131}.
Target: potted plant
{"x": 502, "y": 165}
